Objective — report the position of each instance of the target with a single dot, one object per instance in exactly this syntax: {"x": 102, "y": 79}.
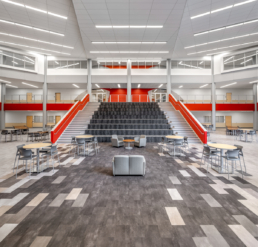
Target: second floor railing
{"x": 206, "y": 99}
{"x": 117, "y": 98}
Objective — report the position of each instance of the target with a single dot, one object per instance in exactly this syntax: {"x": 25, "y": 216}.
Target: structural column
{"x": 255, "y": 127}
{"x": 168, "y": 77}
{"x": 89, "y": 67}
{"x": 129, "y": 81}
{"x": 45, "y": 94}
{"x": 213, "y": 95}
{"x": 3, "y": 91}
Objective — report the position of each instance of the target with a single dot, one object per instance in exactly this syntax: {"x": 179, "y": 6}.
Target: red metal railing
{"x": 66, "y": 120}
{"x": 200, "y": 131}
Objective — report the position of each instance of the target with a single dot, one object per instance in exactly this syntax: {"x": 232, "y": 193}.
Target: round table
{"x": 37, "y": 146}
{"x": 233, "y": 129}
{"x": 221, "y": 147}
{"x": 85, "y": 137}
{"x": 245, "y": 131}
{"x": 174, "y": 138}
{"x": 129, "y": 141}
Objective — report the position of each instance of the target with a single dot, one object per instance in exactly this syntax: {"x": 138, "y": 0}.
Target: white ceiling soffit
{"x": 22, "y": 15}
{"x": 166, "y": 13}
{"x": 227, "y": 17}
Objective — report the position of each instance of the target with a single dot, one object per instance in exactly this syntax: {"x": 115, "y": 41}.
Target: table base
{"x": 221, "y": 170}
{"x": 174, "y": 154}
{"x": 129, "y": 148}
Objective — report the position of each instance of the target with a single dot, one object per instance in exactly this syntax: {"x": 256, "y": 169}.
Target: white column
{"x": 213, "y": 95}
{"x": 45, "y": 93}
{"x": 3, "y": 92}
{"x": 129, "y": 81}
{"x": 255, "y": 88}
{"x": 89, "y": 67}
{"x": 168, "y": 77}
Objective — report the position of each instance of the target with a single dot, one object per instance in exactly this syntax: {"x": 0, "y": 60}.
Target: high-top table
{"x": 221, "y": 147}
{"x": 173, "y": 138}
{"x": 234, "y": 129}
{"x": 245, "y": 131}
{"x": 85, "y": 137}
{"x": 37, "y": 146}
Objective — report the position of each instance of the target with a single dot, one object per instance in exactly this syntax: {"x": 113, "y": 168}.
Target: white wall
{"x": 190, "y": 71}
{"x": 67, "y": 72}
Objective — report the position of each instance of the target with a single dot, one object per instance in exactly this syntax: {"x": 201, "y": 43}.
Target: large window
{"x": 180, "y": 64}
{"x": 241, "y": 60}
{"x": 17, "y": 60}
{"x": 70, "y": 64}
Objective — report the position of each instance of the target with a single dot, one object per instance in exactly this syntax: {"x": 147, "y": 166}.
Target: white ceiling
{"x": 174, "y": 15}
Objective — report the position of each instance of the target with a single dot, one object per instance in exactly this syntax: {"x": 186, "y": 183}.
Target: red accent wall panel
{"x": 23, "y": 107}
{"x": 220, "y": 107}
{"x": 199, "y": 107}
{"x": 0, "y": 106}
{"x": 116, "y": 90}
{"x": 59, "y": 107}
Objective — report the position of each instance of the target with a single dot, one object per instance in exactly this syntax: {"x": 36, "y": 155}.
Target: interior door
{"x": 58, "y": 97}
{"x": 58, "y": 118}
{"x": 29, "y": 97}
{"x": 228, "y": 97}
{"x": 29, "y": 121}
{"x": 228, "y": 120}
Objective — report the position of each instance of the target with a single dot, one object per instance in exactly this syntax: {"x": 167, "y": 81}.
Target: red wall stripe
{"x": 220, "y": 107}
{"x": 23, "y": 107}
{"x": 59, "y": 107}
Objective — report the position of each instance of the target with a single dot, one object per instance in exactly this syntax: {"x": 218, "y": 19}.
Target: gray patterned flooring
{"x": 81, "y": 204}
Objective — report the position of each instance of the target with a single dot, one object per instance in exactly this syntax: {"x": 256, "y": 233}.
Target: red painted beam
{"x": 59, "y": 107}
{"x": 220, "y": 107}
{"x": 23, "y": 107}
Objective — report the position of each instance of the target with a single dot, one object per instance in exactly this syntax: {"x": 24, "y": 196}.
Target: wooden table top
{"x": 175, "y": 137}
{"x": 221, "y": 146}
{"x": 246, "y": 129}
{"x": 84, "y": 136}
{"x": 37, "y": 145}
{"x": 232, "y": 128}
{"x": 20, "y": 127}
{"x": 128, "y": 140}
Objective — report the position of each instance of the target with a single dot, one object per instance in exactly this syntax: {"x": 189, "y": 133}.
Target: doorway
{"x": 228, "y": 120}
{"x": 57, "y": 118}
{"x": 159, "y": 97}
{"x": 29, "y": 121}
{"x": 58, "y": 97}
{"x": 228, "y": 97}
{"x": 29, "y": 97}
{"x": 99, "y": 97}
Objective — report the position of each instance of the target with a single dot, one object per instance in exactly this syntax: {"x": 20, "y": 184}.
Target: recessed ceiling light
{"x": 229, "y": 84}
{"x": 76, "y": 86}
{"x": 131, "y": 43}
{"x": 221, "y": 9}
{"x": 203, "y": 85}
{"x": 97, "y": 26}
{"x": 35, "y": 9}
{"x": 26, "y": 26}
{"x": 97, "y": 85}
{"x": 11, "y": 86}
{"x": 33, "y": 47}
{"x": 40, "y": 41}
{"x": 139, "y": 85}
{"x": 160, "y": 85}
{"x": 29, "y": 84}
{"x": 118, "y": 85}
{"x": 180, "y": 86}
{"x": 131, "y": 52}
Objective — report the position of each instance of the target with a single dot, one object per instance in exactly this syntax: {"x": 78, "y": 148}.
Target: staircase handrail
{"x": 68, "y": 117}
{"x": 190, "y": 118}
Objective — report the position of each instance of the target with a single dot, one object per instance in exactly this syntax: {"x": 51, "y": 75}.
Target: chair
{"x": 25, "y": 155}
{"x": 240, "y": 148}
{"x": 46, "y": 149}
{"x": 80, "y": 143}
{"x": 94, "y": 142}
{"x": 140, "y": 141}
{"x": 208, "y": 153}
{"x": 30, "y": 137}
{"x": 19, "y": 133}
{"x": 233, "y": 156}
{"x": 228, "y": 132}
{"x": 73, "y": 143}
{"x": 178, "y": 143}
{"x": 4, "y": 133}
{"x": 52, "y": 152}
{"x": 239, "y": 133}
{"x": 185, "y": 142}
{"x": 117, "y": 141}
{"x": 251, "y": 133}
{"x": 17, "y": 154}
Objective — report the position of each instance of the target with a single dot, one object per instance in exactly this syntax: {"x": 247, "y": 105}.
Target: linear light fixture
{"x": 246, "y": 61}
{"x": 160, "y": 85}
{"x": 221, "y": 9}
{"x": 14, "y": 62}
{"x": 139, "y": 85}
{"x": 131, "y": 52}
{"x": 226, "y": 27}
{"x": 221, "y": 40}
{"x": 11, "y": 86}
{"x": 253, "y": 82}
{"x": 180, "y": 86}
{"x": 66, "y": 66}
{"x": 36, "y": 40}
{"x": 204, "y": 86}
{"x": 155, "y": 90}
{"x": 188, "y": 65}
{"x": 97, "y": 26}
{"x": 201, "y": 62}
{"x": 56, "y": 62}
{"x": 5, "y": 81}
{"x": 76, "y": 86}
{"x": 97, "y": 85}
{"x": 33, "y": 47}
{"x": 128, "y": 42}
{"x": 29, "y": 84}
{"x": 118, "y": 85}
{"x": 225, "y": 47}
{"x": 35, "y": 9}
{"x": 29, "y": 59}
{"x": 229, "y": 84}
{"x": 34, "y": 28}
